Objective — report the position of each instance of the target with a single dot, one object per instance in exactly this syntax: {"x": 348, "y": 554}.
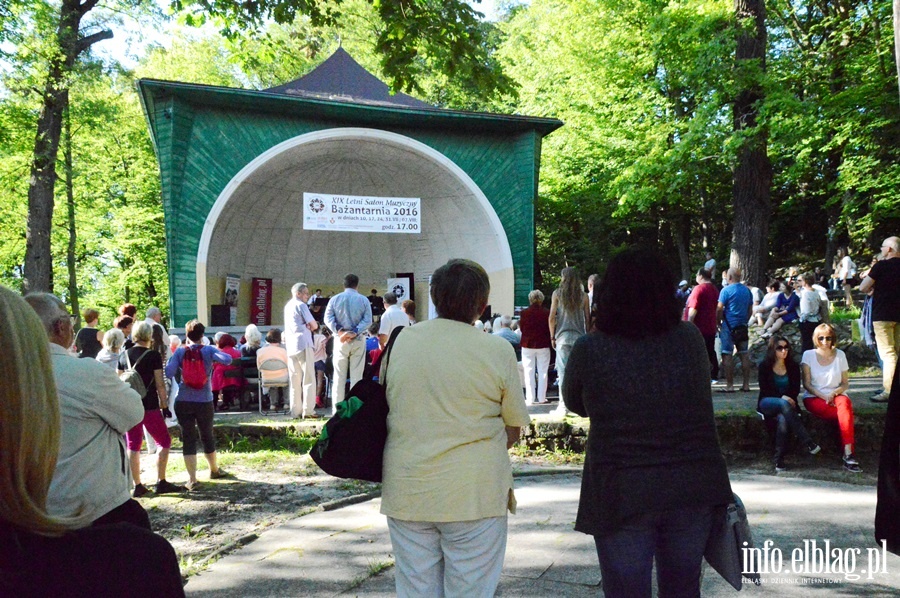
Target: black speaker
{"x": 220, "y": 315}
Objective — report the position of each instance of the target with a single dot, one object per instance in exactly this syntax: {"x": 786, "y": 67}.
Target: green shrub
{"x": 843, "y": 314}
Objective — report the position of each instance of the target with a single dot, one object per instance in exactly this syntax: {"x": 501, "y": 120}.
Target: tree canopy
{"x": 646, "y": 89}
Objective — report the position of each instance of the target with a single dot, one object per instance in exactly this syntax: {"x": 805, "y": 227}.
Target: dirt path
{"x": 264, "y": 489}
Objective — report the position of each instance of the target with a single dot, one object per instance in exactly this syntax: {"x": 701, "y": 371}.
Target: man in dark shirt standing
{"x": 884, "y": 282}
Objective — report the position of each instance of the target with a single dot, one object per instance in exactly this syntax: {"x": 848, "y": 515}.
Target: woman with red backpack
{"x": 194, "y": 408}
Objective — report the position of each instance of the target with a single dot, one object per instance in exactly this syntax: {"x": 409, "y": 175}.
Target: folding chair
{"x": 272, "y": 365}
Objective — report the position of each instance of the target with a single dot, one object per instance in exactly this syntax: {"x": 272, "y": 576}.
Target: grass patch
{"x": 291, "y": 442}
{"x": 375, "y": 567}
{"x": 869, "y": 371}
{"x": 843, "y": 313}
{"x": 262, "y": 460}
{"x": 545, "y": 456}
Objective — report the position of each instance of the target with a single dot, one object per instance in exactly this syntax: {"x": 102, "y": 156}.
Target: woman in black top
{"x": 42, "y": 555}
{"x": 653, "y": 471}
{"x": 89, "y": 339}
{"x": 779, "y": 386}
{"x": 149, "y": 364}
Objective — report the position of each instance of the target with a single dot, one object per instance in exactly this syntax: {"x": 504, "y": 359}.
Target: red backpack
{"x": 193, "y": 370}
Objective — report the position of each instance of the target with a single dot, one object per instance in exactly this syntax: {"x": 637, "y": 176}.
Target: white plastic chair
{"x": 272, "y": 365}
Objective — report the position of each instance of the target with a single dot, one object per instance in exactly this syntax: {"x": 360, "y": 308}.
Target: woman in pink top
{"x": 223, "y": 387}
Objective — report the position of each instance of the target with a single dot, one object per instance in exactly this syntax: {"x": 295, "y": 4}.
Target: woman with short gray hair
{"x": 113, "y": 341}
{"x": 456, "y": 407}
{"x": 254, "y": 341}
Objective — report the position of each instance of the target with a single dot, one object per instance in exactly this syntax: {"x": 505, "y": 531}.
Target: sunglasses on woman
{"x": 782, "y": 347}
{"x": 826, "y": 338}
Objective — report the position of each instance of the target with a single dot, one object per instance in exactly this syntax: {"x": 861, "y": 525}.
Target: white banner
{"x": 362, "y": 214}
{"x": 232, "y": 286}
{"x": 399, "y": 287}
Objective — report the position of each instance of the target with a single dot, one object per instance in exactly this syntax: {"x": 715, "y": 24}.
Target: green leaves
{"x": 639, "y": 86}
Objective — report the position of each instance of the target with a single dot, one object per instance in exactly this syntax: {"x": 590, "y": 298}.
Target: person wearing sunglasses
{"x": 779, "y": 387}
{"x": 826, "y": 381}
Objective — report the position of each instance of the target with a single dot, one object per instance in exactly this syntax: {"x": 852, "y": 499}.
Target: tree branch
{"x": 86, "y": 42}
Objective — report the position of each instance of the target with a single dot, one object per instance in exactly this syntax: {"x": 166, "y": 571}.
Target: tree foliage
{"x": 648, "y": 151}
{"x": 645, "y": 87}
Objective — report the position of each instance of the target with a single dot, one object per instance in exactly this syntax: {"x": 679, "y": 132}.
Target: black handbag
{"x": 726, "y": 540}
{"x": 739, "y": 334}
{"x": 351, "y": 444}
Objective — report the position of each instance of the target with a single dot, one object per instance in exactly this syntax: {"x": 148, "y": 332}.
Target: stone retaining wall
{"x": 741, "y": 435}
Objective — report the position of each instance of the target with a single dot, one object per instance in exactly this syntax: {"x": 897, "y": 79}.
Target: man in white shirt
{"x": 154, "y": 318}
{"x": 393, "y": 317}
{"x": 710, "y": 265}
{"x": 810, "y": 311}
{"x": 593, "y": 279}
{"x": 92, "y": 477}
{"x": 299, "y": 325}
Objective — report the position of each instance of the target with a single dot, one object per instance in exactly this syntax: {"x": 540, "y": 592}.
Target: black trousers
{"x": 129, "y": 511}
{"x": 713, "y": 358}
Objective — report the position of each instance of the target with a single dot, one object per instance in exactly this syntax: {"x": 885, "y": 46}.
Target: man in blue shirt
{"x": 348, "y": 315}
{"x": 733, "y": 311}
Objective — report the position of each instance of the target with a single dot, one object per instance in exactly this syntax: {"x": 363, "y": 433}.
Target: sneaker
{"x": 813, "y": 448}
{"x": 140, "y": 490}
{"x": 165, "y": 487}
{"x": 779, "y": 465}
{"x": 851, "y": 464}
{"x": 219, "y": 474}
{"x": 881, "y": 397}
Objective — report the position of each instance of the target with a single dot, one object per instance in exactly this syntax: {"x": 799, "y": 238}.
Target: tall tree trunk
{"x": 70, "y": 219}
{"x": 753, "y": 171}
{"x": 897, "y": 40}
{"x": 682, "y": 234}
{"x": 38, "y": 264}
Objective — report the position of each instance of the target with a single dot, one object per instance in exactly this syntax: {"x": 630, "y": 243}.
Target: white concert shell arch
{"x": 255, "y": 227}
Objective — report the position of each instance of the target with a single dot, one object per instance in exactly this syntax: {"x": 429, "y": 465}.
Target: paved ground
{"x": 347, "y": 552}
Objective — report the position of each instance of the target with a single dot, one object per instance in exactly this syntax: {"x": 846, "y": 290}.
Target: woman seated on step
{"x": 785, "y": 310}
{"x": 762, "y": 311}
{"x": 779, "y": 387}
{"x": 826, "y": 381}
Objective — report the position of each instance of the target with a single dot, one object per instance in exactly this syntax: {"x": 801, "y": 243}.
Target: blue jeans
{"x": 788, "y": 419}
{"x": 677, "y": 538}
{"x": 728, "y": 343}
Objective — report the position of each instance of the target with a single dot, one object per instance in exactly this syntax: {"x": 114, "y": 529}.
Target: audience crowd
{"x": 80, "y": 425}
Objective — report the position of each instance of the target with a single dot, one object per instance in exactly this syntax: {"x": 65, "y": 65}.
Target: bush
{"x": 844, "y": 314}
